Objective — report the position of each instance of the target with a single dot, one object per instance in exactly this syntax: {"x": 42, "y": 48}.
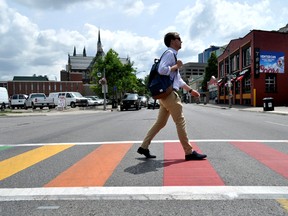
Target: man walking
{"x": 171, "y": 105}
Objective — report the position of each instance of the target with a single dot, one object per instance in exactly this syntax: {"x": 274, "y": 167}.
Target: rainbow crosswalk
{"x": 90, "y": 172}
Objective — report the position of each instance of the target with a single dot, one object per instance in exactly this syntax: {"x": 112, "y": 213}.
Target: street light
{"x": 103, "y": 82}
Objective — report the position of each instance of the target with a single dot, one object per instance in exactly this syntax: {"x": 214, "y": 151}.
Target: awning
{"x": 243, "y": 72}
{"x": 239, "y": 78}
{"x": 220, "y": 84}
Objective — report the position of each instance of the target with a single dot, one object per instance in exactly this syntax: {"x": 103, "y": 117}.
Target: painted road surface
{"x": 234, "y": 170}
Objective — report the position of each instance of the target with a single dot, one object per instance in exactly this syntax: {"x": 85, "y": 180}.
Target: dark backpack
{"x": 160, "y": 86}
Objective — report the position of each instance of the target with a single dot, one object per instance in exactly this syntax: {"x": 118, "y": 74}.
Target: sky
{"x": 36, "y": 36}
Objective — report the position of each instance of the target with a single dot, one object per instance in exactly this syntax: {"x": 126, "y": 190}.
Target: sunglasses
{"x": 178, "y": 38}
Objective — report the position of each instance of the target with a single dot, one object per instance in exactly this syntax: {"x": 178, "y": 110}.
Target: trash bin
{"x": 268, "y": 104}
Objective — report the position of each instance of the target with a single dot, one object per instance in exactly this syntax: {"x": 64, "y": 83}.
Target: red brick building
{"x": 37, "y": 84}
{"x": 253, "y": 68}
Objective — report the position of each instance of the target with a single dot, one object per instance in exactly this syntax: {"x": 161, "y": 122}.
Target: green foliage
{"x": 120, "y": 77}
{"x": 211, "y": 70}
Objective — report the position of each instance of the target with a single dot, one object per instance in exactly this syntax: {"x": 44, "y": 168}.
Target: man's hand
{"x": 195, "y": 93}
{"x": 179, "y": 64}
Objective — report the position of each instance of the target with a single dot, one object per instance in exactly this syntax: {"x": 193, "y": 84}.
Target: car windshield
{"x": 131, "y": 97}
{"x": 37, "y": 95}
{"x": 77, "y": 94}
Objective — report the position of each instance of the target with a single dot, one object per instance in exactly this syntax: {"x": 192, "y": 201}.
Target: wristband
{"x": 190, "y": 91}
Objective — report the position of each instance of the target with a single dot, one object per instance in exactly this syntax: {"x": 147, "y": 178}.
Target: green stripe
{"x": 4, "y": 147}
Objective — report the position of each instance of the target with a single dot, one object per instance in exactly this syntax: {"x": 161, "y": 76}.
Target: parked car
{"x": 18, "y": 101}
{"x": 91, "y": 102}
{"x": 72, "y": 99}
{"x": 40, "y": 100}
{"x": 130, "y": 101}
{"x": 150, "y": 104}
{"x": 96, "y": 99}
{"x": 143, "y": 101}
{"x": 4, "y": 99}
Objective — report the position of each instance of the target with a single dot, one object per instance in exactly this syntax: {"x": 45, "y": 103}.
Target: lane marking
{"x": 94, "y": 169}
{"x": 20, "y": 162}
{"x": 146, "y": 193}
{"x": 4, "y": 147}
{"x": 178, "y": 172}
{"x": 140, "y": 141}
{"x": 275, "y": 160}
{"x": 284, "y": 203}
{"x": 275, "y": 123}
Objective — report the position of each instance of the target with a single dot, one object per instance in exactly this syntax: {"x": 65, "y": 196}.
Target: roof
{"x": 30, "y": 78}
{"x": 81, "y": 62}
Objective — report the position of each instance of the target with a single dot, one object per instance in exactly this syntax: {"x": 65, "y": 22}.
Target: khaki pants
{"x": 170, "y": 105}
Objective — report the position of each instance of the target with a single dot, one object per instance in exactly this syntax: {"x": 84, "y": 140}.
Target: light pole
{"x": 103, "y": 82}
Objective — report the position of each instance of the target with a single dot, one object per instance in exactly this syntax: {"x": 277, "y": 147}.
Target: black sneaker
{"x": 195, "y": 156}
{"x": 145, "y": 152}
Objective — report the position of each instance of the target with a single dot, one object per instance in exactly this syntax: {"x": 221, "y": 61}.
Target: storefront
{"x": 252, "y": 68}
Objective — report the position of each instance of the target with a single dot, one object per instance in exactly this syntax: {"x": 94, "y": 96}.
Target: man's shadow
{"x": 151, "y": 165}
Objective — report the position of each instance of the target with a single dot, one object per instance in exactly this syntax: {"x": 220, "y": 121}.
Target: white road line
{"x": 140, "y": 141}
{"x": 275, "y": 123}
{"x": 146, "y": 193}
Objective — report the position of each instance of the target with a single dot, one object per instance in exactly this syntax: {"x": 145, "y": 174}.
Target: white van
{"x": 72, "y": 99}
{"x": 18, "y": 101}
{"x": 4, "y": 99}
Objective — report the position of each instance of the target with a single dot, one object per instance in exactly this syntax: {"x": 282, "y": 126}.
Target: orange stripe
{"x": 94, "y": 169}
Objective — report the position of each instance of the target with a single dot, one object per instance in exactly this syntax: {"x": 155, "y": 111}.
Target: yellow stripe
{"x": 20, "y": 162}
{"x": 284, "y": 203}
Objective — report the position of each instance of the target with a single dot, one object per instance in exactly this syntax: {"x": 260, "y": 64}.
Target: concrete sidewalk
{"x": 281, "y": 110}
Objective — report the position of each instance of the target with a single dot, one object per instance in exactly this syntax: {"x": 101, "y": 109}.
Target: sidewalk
{"x": 280, "y": 110}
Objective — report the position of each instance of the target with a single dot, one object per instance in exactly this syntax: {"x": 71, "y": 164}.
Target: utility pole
{"x": 105, "y": 86}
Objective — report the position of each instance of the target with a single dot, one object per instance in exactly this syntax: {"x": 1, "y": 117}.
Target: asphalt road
{"x": 85, "y": 163}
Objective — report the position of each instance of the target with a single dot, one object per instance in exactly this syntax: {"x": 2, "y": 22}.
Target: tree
{"x": 120, "y": 77}
{"x": 210, "y": 70}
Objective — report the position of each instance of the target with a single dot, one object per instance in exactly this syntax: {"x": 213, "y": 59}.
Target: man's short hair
{"x": 170, "y": 36}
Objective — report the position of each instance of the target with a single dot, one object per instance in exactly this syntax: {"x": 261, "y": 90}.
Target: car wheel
{"x": 73, "y": 105}
{"x": 32, "y": 105}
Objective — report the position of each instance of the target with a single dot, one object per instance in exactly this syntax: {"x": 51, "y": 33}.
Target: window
{"x": 270, "y": 83}
{"x": 234, "y": 62}
{"x": 246, "y": 57}
{"x": 221, "y": 65}
{"x": 246, "y": 85}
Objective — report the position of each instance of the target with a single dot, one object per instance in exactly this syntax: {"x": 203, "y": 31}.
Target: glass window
{"x": 270, "y": 83}
{"x": 246, "y": 57}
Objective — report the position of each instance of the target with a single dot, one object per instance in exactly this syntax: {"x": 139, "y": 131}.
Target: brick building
{"x": 253, "y": 68}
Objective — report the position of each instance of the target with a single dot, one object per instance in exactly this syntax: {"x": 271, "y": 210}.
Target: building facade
{"x": 204, "y": 56}
{"x": 253, "y": 68}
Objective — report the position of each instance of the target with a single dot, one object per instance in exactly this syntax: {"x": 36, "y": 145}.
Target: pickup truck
{"x": 40, "y": 100}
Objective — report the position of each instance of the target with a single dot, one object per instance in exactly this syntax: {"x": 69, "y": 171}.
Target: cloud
{"x": 137, "y": 7}
{"x": 51, "y": 4}
{"x": 28, "y": 48}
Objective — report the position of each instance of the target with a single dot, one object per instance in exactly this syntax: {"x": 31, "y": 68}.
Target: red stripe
{"x": 178, "y": 172}
{"x": 270, "y": 157}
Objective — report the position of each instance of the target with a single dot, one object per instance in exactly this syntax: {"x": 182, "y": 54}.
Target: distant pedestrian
{"x": 171, "y": 105}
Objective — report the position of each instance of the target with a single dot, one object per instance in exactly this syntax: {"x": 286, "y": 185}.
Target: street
{"x": 86, "y": 164}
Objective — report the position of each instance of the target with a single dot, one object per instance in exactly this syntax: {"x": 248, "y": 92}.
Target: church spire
{"x": 100, "y": 52}
{"x": 84, "y": 52}
{"x": 74, "y": 52}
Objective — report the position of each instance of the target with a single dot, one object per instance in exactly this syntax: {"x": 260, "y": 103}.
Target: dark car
{"x": 130, "y": 101}
{"x": 150, "y": 104}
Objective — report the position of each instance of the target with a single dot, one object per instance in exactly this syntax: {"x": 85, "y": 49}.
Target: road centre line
{"x": 275, "y": 123}
{"x": 145, "y": 193}
{"x": 140, "y": 141}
